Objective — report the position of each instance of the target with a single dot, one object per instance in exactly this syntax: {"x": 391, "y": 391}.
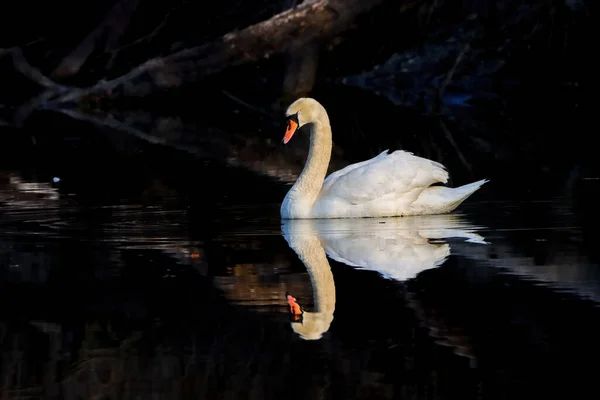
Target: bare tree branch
{"x": 52, "y": 88}
{"x": 115, "y": 22}
{"x": 27, "y": 70}
{"x": 77, "y": 94}
{"x": 291, "y": 30}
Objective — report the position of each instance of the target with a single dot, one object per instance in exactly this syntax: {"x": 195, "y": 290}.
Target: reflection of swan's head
{"x": 302, "y": 111}
{"x": 310, "y": 325}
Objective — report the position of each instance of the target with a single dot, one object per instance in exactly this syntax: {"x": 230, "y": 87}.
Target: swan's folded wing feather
{"x": 335, "y": 175}
{"x": 399, "y": 172}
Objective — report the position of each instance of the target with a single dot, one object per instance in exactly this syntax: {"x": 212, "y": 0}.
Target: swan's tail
{"x": 441, "y": 199}
{"x": 462, "y": 192}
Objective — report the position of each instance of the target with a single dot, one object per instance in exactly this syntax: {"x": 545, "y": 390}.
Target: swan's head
{"x": 301, "y": 112}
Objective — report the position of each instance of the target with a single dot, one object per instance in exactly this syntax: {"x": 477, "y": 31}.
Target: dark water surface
{"x": 118, "y": 288}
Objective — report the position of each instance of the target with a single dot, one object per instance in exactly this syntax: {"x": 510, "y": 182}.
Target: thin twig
{"x": 114, "y": 23}
{"x": 452, "y": 70}
{"x": 145, "y": 38}
{"x": 430, "y": 11}
{"x": 77, "y": 94}
{"x": 35, "y": 41}
{"x": 459, "y": 153}
{"x": 149, "y": 36}
{"x": 120, "y": 126}
{"x": 247, "y": 105}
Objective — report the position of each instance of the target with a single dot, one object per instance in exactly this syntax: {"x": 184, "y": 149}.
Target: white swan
{"x": 396, "y": 184}
{"x": 397, "y": 248}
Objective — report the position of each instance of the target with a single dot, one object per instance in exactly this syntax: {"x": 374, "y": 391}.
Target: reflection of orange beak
{"x": 295, "y": 308}
{"x": 290, "y": 130}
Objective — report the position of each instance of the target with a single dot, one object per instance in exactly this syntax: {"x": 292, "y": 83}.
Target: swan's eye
{"x": 293, "y": 118}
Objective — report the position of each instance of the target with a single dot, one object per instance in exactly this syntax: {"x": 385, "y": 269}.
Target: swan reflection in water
{"x": 397, "y": 248}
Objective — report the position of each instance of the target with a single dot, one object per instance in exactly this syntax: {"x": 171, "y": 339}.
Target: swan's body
{"x": 396, "y": 184}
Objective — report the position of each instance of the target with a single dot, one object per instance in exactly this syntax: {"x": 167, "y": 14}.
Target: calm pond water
{"x": 120, "y": 288}
{"x": 159, "y": 299}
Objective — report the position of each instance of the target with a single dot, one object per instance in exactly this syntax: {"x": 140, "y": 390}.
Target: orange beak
{"x": 290, "y": 130}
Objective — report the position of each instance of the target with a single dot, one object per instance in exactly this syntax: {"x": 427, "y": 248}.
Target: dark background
{"x": 188, "y": 158}
{"x": 496, "y": 89}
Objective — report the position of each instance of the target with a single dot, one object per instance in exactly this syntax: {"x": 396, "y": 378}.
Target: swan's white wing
{"x": 335, "y": 175}
{"x": 399, "y": 172}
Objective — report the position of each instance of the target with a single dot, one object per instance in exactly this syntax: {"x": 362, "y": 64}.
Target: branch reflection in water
{"x": 397, "y": 248}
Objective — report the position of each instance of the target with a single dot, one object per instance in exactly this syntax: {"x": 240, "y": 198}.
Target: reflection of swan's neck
{"x": 307, "y": 187}
{"x": 311, "y": 253}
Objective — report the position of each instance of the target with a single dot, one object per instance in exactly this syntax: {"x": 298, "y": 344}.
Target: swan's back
{"x": 394, "y": 180}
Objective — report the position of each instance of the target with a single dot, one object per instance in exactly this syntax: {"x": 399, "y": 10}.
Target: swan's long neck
{"x": 305, "y": 191}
